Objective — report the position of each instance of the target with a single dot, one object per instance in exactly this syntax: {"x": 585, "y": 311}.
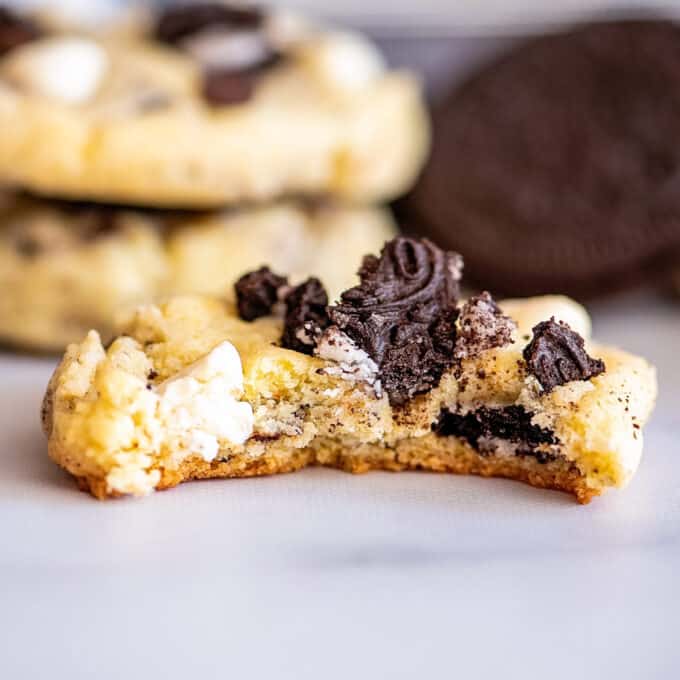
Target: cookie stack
{"x": 173, "y": 157}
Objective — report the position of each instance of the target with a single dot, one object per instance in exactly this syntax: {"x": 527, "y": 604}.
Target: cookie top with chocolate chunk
{"x": 405, "y": 321}
{"x": 556, "y": 355}
{"x": 159, "y": 105}
{"x": 403, "y": 314}
{"x": 229, "y": 41}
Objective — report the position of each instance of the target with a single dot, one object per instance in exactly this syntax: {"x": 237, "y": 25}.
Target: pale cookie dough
{"x": 66, "y": 268}
{"x": 124, "y": 118}
{"x": 109, "y": 422}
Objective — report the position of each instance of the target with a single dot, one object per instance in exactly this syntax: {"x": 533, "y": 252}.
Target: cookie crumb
{"x": 556, "y": 355}
{"x": 482, "y": 326}
{"x": 306, "y": 316}
{"x": 257, "y": 292}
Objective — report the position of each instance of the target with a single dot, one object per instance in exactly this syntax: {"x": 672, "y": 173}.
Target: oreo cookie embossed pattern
{"x": 555, "y": 168}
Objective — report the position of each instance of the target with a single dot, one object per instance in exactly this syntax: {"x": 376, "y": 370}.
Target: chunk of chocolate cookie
{"x": 556, "y": 167}
{"x": 178, "y": 22}
{"x": 482, "y": 326}
{"x": 556, "y": 355}
{"x": 403, "y": 314}
{"x": 227, "y": 86}
{"x": 482, "y": 427}
{"x": 306, "y": 316}
{"x": 257, "y": 292}
{"x": 228, "y": 40}
{"x": 15, "y": 30}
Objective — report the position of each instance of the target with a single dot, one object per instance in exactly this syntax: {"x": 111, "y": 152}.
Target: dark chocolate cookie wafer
{"x": 557, "y": 168}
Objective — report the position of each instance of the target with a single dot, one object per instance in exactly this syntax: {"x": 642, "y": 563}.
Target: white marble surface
{"x": 323, "y": 574}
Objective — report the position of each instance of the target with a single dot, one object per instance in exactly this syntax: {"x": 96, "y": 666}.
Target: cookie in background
{"x": 69, "y": 267}
{"x": 205, "y": 105}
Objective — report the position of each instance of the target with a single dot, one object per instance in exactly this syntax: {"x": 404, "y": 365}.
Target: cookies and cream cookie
{"x": 69, "y": 267}
{"x": 210, "y": 104}
{"x": 399, "y": 373}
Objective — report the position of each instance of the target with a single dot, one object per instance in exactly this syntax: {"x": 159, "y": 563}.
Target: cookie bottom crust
{"x": 430, "y": 453}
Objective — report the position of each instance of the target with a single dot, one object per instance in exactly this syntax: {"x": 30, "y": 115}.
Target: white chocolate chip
{"x": 344, "y": 62}
{"x": 67, "y": 69}
{"x": 200, "y": 407}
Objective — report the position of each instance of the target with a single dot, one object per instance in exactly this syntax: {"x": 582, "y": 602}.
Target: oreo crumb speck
{"x": 511, "y": 423}
{"x": 482, "y": 326}
{"x": 176, "y": 23}
{"x": 403, "y": 314}
{"x": 15, "y": 30}
{"x": 556, "y": 356}
{"x": 257, "y": 293}
{"x": 306, "y": 316}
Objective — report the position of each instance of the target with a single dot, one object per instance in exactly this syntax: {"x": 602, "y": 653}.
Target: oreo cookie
{"x": 510, "y": 423}
{"x": 557, "y": 167}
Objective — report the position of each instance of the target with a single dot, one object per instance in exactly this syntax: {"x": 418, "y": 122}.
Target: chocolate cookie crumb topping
{"x": 556, "y": 356}
{"x": 511, "y": 423}
{"x": 181, "y": 21}
{"x": 403, "y": 314}
{"x": 257, "y": 293}
{"x": 306, "y": 316}
{"x": 15, "y": 30}
{"x": 482, "y": 326}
